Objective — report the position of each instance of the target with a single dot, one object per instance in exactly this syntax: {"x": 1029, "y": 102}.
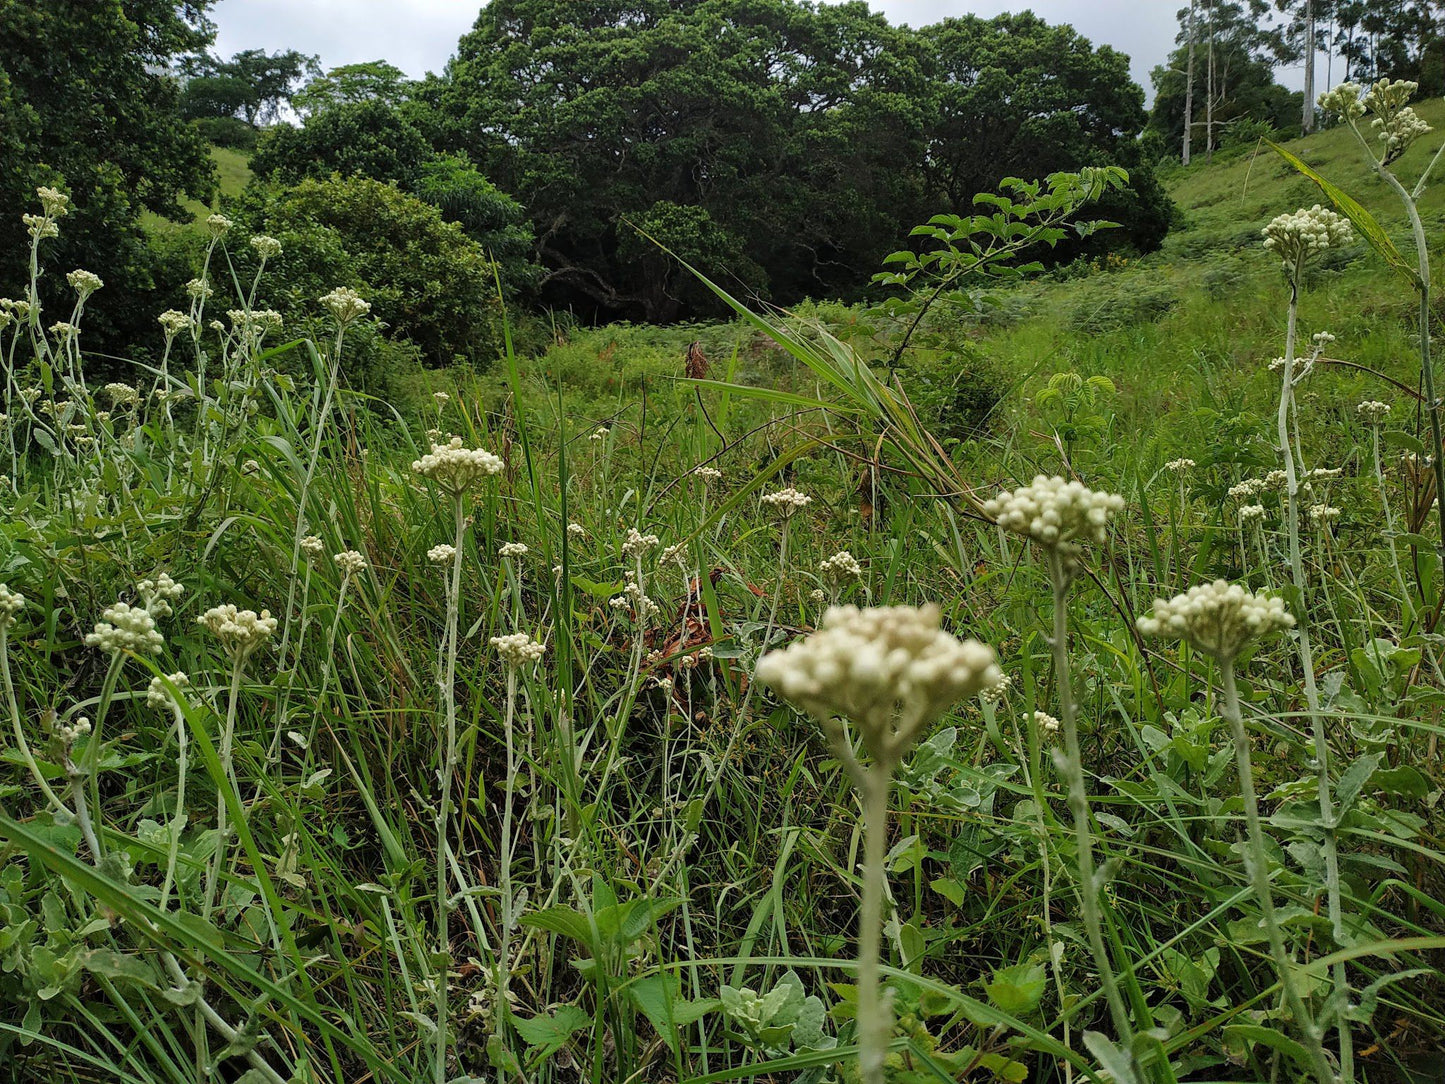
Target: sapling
{"x": 891, "y": 671}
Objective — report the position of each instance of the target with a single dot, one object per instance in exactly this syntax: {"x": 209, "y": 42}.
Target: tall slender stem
{"x": 874, "y": 1018}
{"x": 444, "y": 807}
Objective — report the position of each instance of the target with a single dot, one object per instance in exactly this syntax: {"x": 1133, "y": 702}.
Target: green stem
{"x": 444, "y": 807}
{"x": 874, "y": 1017}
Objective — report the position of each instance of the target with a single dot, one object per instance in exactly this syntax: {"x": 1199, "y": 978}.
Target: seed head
{"x": 1217, "y": 618}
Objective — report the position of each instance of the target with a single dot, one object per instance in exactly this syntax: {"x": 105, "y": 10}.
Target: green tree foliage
{"x": 1241, "y": 86}
{"x": 374, "y": 80}
{"x": 1016, "y": 97}
{"x": 252, "y": 85}
{"x": 85, "y": 104}
{"x": 799, "y": 139}
{"x": 425, "y": 278}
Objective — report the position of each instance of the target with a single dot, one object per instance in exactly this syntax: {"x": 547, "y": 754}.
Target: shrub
{"x": 227, "y": 132}
{"x": 1121, "y": 303}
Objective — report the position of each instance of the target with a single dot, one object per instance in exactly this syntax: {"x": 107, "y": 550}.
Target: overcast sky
{"x": 420, "y": 35}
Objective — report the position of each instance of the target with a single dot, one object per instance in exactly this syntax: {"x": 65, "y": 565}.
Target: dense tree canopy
{"x": 373, "y": 80}
{"x": 85, "y": 104}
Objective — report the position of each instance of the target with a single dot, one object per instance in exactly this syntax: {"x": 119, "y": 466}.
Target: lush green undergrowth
{"x": 482, "y": 786}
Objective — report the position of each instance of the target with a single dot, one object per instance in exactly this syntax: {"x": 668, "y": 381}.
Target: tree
{"x": 375, "y": 80}
{"x": 86, "y": 103}
{"x": 1015, "y": 97}
{"x": 253, "y": 84}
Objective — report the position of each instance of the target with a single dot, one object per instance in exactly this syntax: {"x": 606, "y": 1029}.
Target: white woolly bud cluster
{"x": 841, "y": 566}
{"x": 159, "y": 697}
{"x": 266, "y": 247}
{"x": 1373, "y": 412}
{"x": 1396, "y": 124}
{"x": 600, "y": 433}
{"x": 1320, "y": 514}
{"x": 786, "y": 501}
{"x": 218, "y": 225}
{"x": 1242, "y": 491}
{"x": 1047, "y": 725}
{"x": 576, "y": 530}
{"x": 708, "y": 474}
{"x": 1180, "y": 466}
{"x": 198, "y": 289}
{"x": 240, "y": 631}
{"x": 441, "y": 399}
{"x": 441, "y": 554}
{"x": 71, "y": 732}
{"x": 1248, "y": 513}
{"x": 456, "y": 469}
{"x": 159, "y": 593}
{"x": 123, "y": 627}
{"x": 11, "y": 603}
{"x": 633, "y": 598}
{"x": 1323, "y": 474}
{"x": 122, "y": 394}
{"x": 350, "y": 562}
{"x": 993, "y": 694}
{"x": 345, "y": 305}
{"x": 1304, "y": 233}
{"x": 55, "y": 203}
{"x": 311, "y": 546}
{"x": 513, "y": 549}
{"x": 1275, "y": 479}
{"x": 1217, "y": 618}
{"x": 84, "y": 283}
{"x": 1344, "y": 100}
{"x": 892, "y": 670}
{"x": 63, "y": 330}
{"x": 638, "y": 544}
{"x": 40, "y": 227}
{"x": 1054, "y": 512}
{"x": 518, "y": 649}
{"x": 675, "y": 554}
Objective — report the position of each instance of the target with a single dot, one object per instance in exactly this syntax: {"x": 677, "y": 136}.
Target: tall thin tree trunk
{"x": 1307, "y": 118}
{"x": 1209, "y": 93}
{"x": 1189, "y": 88}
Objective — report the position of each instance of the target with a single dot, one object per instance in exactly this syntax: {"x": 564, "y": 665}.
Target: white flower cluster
{"x": 266, "y": 247}
{"x": 11, "y": 603}
{"x": 122, "y": 394}
{"x": 441, "y": 554}
{"x": 71, "y": 732}
{"x": 350, "y": 562}
{"x": 83, "y": 282}
{"x": 993, "y": 694}
{"x": 240, "y": 631}
{"x": 40, "y": 227}
{"x": 513, "y": 549}
{"x": 1217, "y": 618}
{"x": 311, "y": 546}
{"x": 55, "y": 203}
{"x": 159, "y": 593}
{"x": 1323, "y": 474}
{"x": 1297, "y": 236}
{"x": 1047, "y": 725}
{"x": 1248, "y": 513}
{"x": 675, "y": 554}
{"x": 218, "y": 225}
{"x": 456, "y": 469}
{"x": 1320, "y": 514}
{"x": 198, "y": 289}
{"x": 1179, "y": 466}
{"x": 638, "y": 544}
{"x": 892, "y": 670}
{"x": 345, "y": 305}
{"x": 600, "y": 433}
{"x": 518, "y": 649}
{"x": 786, "y": 501}
{"x": 1344, "y": 100}
{"x": 633, "y": 598}
{"x": 1054, "y": 512}
{"x": 708, "y": 474}
{"x": 1396, "y": 124}
{"x": 123, "y": 627}
{"x": 159, "y": 697}
{"x": 576, "y": 530}
{"x": 1373, "y": 412}
{"x": 1275, "y": 479}
{"x": 841, "y": 566}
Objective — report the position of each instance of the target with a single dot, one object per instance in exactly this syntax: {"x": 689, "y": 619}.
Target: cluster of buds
{"x": 633, "y": 598}
{"x": 345, "y": 305}
{"x": 708, "y": 474}
{"x": 198, "y": 289}
{"x": 11, "y": 603}
{"x": 441, "y": 554}
{"x": 1249, "y": 513}
{"x": 68, "y": 733}
{"x": 786, "y": 501}
{"x": 513, "y": 549}
{"x": 518, "y": 649}
{"x": 241, "y": 632}
{"x": 1373, "y": 412}
{"x": 218, "y": 225}
{"x": 892, "y": 670}
{"x": 158, "y": 594}
{"x": 158, "y": 695}
{"x": 1321, "y": 514}
{"x": 84, "y": 283}
{"x": 266, "y": 247}
{"x": 311, "y": 547}
{"x": 841, "y": 566}
{"x": 456, "y": 469}
{"x": 350, "y": 562}
{"x": 1055, "y": 513}
{"x": 1180, "y": 466}
{"x": 994, "y": 694}
{"x": 126, "y": 628}
{"x": 1047, "y": 725}
{"x": 638, "y": 543}
{"x": 1216, "y": 618}
{"x": 1297, "y": 236}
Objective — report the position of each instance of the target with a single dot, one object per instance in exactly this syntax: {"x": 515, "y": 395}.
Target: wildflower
{"x": 841, "y": 566}
{"x": 1276, "y": 479}
{"x": 63, "y": 330}
{"x": 218, "y": 225}
{"x": 517, "y": 649}
{"x": 1248, "y": 513}
{"x": 1217, "y": 618}
{"x": 122, "y": 394}
{"x": 53, "y": 202}
{"x": 675, "y": 554}
{"x": 638, "y": 544}
{"x": 992, "y": 694}
{"x": 158, "y": 594}
{"x": 786, "y": 501}
{"x": 198, "y": 289}
{"x": 892, "y": 670}
{"x": 311, "y": 546}
{"x": 84, "y": 283}
{"x": 345, "y": 304}
{"x": 708, "y": 474}
{"x": 441, "y": 554}
{"x": 576, "y": 530}
{"x": 705, "y": 654}
{"x": 11, "y": 603}
{"x": 158, "y": 696}
{"x": 40, "y": 227}
{"x": 441, "y": 399}
{"x": 240, "y": 631}
{"x": 664, "y": 684}
{"x": 1320, "y": 514}
{"x": 817, "y": 595}
{"x": 1296, "y": 237}
{"x": 124, "y": 627}
{"x": 600, "y": 433}
{"x": 1054, "y": 512}
{"x": 1345, "y": 100}
{"x": 1323, "y": 474}
{"x": 1322, "y": 339}
{"x": 102, "y": 416}
{"x": 1179, "y": 466}
{"x": 71, "y": 732}
{"x": 1047, "y": 724}
{"x": 1245, "y": 489}
{"x": 513, "y": 549}
{"x": 1373, "y": 412}
{"x": 350, "y": 562}
{"x": 266, "y": 247}
{"x": 456, "y": 469}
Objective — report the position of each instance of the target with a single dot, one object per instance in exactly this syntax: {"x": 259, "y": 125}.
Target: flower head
{"x": 55, "y": 203}
{"x": 84, "y": 283}
{"x": 159, "y": 696}
{"x": 1321, "y": 514}
{"x": 786, "y": 501}
{"x": 350, "y": 562}
{"x": 892, "y": 670}
{"x": 638, "y": 543}
{"x": 456, "y": 469}
{"x": 1054, "y": 512}
{"x": 345, "y": 304}
{"x": 11, "y": 603}
{"x": 1180, "y": 466}
{"x": 1047, "y": 724}
{"x": 518, "y": 649}
{"x": 123, "y": 627}
{"x": 841, "y": 566}
{"x": 218, "y": 225}
{"x": 159, "y": 593}
{"x": 122, "y": 394}
{"x": 1297, "y": 236}
{"x": 1373, "y": 412}
{"x": 1248, "y": 513}
{"x": 1217, "y": 618}
{"x": 240, "y": 631}
{"x": 441, "y": 554}
{"x": 311, "y": 546}
{"x": 266, "y": 247}
{"x": 513, "y": 549}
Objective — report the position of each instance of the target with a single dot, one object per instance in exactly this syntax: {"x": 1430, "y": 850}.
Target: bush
{"x": 227, "y": 132}
{"x": 1121, "y": 302}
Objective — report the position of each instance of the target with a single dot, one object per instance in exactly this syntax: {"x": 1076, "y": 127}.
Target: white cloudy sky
{"x": 419, "y": 35}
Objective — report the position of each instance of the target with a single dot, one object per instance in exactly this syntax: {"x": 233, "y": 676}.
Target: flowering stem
{"x": 1405, "y": 601}
{"x": 178, "y": 822}
{"x": 1259, "y": 875}
{"x": 509, "y": 904}
{"x": 874, "y": 1017}
{"x": 1073, "y": 766}
{"x": 223, "y": 826}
